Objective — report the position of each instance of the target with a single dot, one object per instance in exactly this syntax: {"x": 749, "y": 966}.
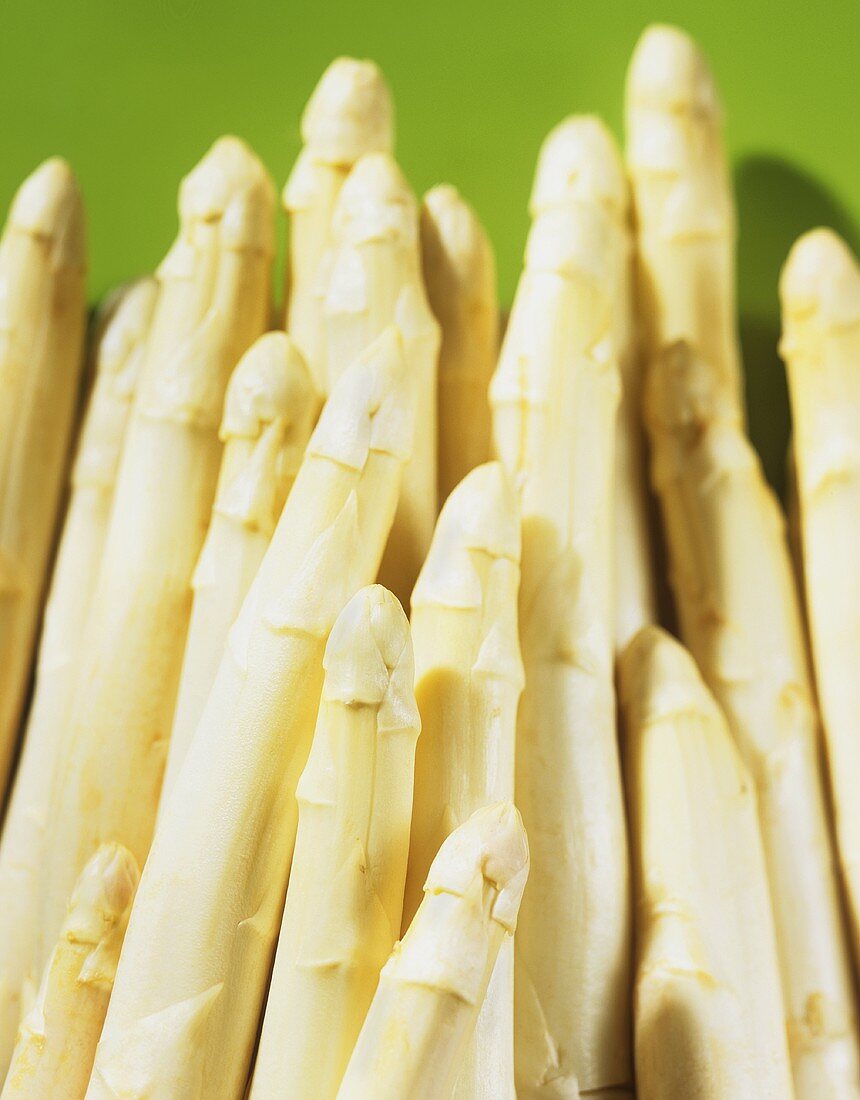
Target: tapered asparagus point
{"x": 48, "y": 205}
{"x": 490, "y": 851}
{"x": 658, "y": 677}
{"x": 375, "y": 203}
{"x": 821, "y": 277}
{"x": 350, "y": 113}
{"x": 270, "y": 383}
{"x": 230, "y": 185}
{"x": 98, "y": 909}
{"x": 579, "y": 161}
{"x": 373, "y": 382}
{"x": 668, "y": 72}
{"x": 368, "y": 659}
{"x": 459, "y": 268}
{"x": 480, "y": 517}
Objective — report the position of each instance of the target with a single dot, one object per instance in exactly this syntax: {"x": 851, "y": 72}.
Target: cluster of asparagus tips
{"x": 192, "y": 979}
{"x": 416, "y": 1035}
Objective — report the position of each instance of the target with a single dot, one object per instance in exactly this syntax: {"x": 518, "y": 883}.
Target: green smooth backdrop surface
{"x": 134, "y": 91}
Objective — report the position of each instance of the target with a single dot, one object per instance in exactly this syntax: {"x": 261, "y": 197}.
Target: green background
{"x": 134, "y": 91}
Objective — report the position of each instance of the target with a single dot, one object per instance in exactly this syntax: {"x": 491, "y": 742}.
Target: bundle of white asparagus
{"x": 261, "y": 832}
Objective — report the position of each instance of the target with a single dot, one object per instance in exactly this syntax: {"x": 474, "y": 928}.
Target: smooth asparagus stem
{"x": 708, "y": 1007}
{"x": 269, "y": 412}
{"x": 468, "y": 680}
{"x": 117, "y": 363}
{"x": 416, "y": 1036}
{"x": 213, "y": 302}
{"x": 579, "y": 161}
{"x": 375, "y": 280}
{"x": 345, "y": 895}
{"x": 42, "y": 318}
{"x": 460, "y": 274}
{"x": 350, "y": 113}
{"x": 190, "y": 988}
{"x": 57, "y": 1041}
{"x": 682, "y": 193}
{"x": 739, "y": 615}
{"x": 555, "y": 397}
{"x": 820, "y": 291}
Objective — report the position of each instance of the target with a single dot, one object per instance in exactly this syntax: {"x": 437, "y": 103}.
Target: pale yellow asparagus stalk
{"x": 415, "y": 1039}
{"x": 683, "y": 200}
{"x": 468, "y": 680}
{"x": 345, "y": 895}
{"x": 708, "y": 1009}
{"x": 555, "y": 397}
{"x": 579, "y": 161}
{"x": 42, "y": 317}
{"x": 350, "y": 113}
{"x": 117, "y": 363}
{"x": 820, "y": 291}
{"x": 213, "y": 303}
{"x": 57, "y": 1042}
{"x": 375, "y": 280}
{"x": 460, "y": 275}
{"x": 269, "y": 412}
{"x": 739, "y": 614}
{"x": 189, "y": 993}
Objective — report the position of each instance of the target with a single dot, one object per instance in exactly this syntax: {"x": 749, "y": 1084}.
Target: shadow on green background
{"x": 134, "y": 91}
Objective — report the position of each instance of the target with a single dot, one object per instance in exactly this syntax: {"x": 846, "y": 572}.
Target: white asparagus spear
{"x": 117, "y": 361}
{"x": 684, "y": 204}
{"x": 350, "y": 113}
{"x": 555, "y": 397}
{"x": 213, "y": 302}
{"x": 375, "y": 280}
{"x": 708, "y": 1008}
{"x": 820, "y": 292}
{"x": 468, "y": 680}
{"x": 579, "y": 161}
{"x": 345, "y": 895}
{"x": 42, "y": 318}
{"x": 269, "y": 411}
{"x": 416, "y": 1036}
{"x": 190, "y": 988}
{"x": 57, "y": 1041}
{"x": 739, "y": 615}
{"x": 460, "y": 275}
